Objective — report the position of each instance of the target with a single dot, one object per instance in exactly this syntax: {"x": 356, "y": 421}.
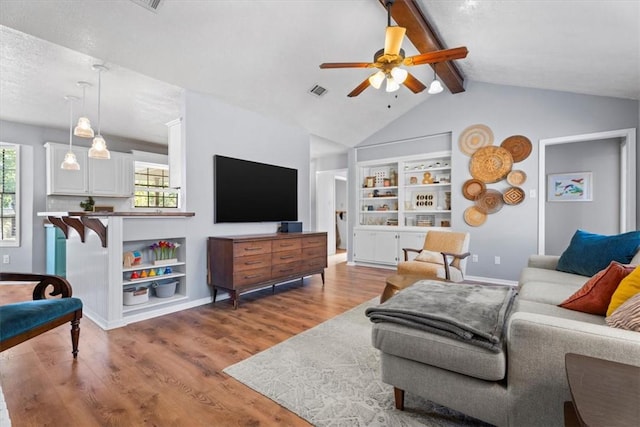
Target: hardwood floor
{"x": 167, "y": 371}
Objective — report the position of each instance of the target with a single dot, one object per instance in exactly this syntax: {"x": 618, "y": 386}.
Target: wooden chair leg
{"x": 75, "y": 335}
{"x": 398, "y": 395}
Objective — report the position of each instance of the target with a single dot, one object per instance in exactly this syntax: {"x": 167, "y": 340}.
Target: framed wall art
{"x": 570, "y": 187}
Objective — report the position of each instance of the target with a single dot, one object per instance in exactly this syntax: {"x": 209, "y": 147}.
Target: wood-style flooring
{"x": 167, "y": 371}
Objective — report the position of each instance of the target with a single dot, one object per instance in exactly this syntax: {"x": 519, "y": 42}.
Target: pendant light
{"x": 83, "y": 128}
{"x": 70, "y": 162}
{"x": 98, "y": 148}
{"x": 435, "y": 86}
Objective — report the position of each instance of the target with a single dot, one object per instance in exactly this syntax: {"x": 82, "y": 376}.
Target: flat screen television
{"x": 246, "y": 191}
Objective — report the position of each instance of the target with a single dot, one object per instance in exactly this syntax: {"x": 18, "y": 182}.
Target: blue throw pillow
{"x": 589, "y": 253}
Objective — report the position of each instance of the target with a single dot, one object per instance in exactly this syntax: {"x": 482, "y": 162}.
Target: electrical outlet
{"x": 532, "y": 193}
{"x": 496, "y": 260}
{"x": 474, "y": 258}
{"x": 6, "y": 259}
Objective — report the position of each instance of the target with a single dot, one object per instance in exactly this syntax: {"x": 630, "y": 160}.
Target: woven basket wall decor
{"x": 490, "y": 201}
{"x": 474, "y": 137}
{"x": 474, "y": 217}
{"x": 513, "y": 196}
{"x": 516, "y": 177}
{"x": 472, "y": 188}
{"x": 519, "y": 146}
{"x": 490, "y": 164}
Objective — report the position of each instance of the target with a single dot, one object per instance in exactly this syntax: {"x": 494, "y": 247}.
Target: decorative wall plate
{"x": 474, "y": 217}
{"x": 519, "y": 146}
{"x": 513, "y": 195}
{"x": 490, "y": 201}
{"x": 474, "y": 137}
{"x": 490, "y": 164}
{"x": 472, "y": 188}
{"x": 516, "y": 177}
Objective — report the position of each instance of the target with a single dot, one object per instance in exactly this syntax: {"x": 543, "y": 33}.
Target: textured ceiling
{"x": 263, "y": 55}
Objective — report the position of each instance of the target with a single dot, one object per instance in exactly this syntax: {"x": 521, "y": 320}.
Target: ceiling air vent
{"x": 152, "y": 5}
{"x": 317, "y": 90}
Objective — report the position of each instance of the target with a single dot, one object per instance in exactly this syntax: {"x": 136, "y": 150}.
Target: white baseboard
{"x": 492, "y": 280}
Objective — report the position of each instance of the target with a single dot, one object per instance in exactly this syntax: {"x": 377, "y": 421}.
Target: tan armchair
{"x": 443, "y": 256}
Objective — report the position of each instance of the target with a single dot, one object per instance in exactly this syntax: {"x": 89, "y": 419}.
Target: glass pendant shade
{"x": 435, "y": 87}
{"x": 399, "y": 75}
{"x": 377, "y": 79}
{"x": 98, "y": 149}
{"x": 392, "y": 85}
{"x": 70, "y": 162}
{"x": 83, "y": 128}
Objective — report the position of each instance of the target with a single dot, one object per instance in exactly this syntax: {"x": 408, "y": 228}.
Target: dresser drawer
{"x": 314, "y": 241}
{"x": 284, "y": 257}
{"x": 252, "y": 262}
{"x": 249, "y": 277}
{"x": 286, "y": 244}
{"x": 313, "y": 263}
{"x": 283, "y": 270}
{"x": 313, "y": 252}
{"x": 241, "y": 249}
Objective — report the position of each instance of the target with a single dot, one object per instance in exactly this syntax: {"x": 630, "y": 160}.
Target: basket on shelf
{"x": 164, "y": 290}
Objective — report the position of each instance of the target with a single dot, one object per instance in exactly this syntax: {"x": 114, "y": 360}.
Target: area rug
{"x": 330, "y": 376}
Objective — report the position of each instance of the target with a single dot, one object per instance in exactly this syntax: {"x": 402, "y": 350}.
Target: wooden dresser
{"x": 242, "y": 263}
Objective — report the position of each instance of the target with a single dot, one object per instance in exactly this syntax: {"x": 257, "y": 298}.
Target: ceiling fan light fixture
{"x": 376, "y": 79}
{"x": 399, "y": 74}
{"x": 392, "y": 85}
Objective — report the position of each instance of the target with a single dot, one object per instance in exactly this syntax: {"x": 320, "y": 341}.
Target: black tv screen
{"x": 246, "y": 191}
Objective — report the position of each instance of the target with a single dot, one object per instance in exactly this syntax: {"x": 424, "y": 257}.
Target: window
{"x": 152, "y": 187}
{"x": 9, "y": 195}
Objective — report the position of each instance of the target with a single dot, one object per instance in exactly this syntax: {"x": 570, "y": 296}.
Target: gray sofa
{"x": 525, "y": 385}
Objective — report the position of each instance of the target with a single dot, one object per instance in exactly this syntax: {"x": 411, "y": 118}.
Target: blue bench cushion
{"x": 22, "y": 316}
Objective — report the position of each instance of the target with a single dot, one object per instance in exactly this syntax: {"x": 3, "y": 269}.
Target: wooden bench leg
{"x": 75, "y": 334}
{"x": 398, "y": 395}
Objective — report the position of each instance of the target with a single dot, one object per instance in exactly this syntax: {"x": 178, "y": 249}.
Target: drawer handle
{"x": 287, "y": 257}
{"x": 252, "y": 262}
{"x": 252, "y": 276}
{"x": 286, "y": 270}
{"x": 253, "y": 249}
{"x": 283, "y": 245}
{"x": 313, "y": 241}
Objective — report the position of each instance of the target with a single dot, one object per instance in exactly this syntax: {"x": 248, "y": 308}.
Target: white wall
{"x": 212, "y": 127}
{"x": 507, "y": 110}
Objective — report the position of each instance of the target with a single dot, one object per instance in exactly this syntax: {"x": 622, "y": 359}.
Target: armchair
{"x": 24, "y": 320}
{"x": 442, "y": 256}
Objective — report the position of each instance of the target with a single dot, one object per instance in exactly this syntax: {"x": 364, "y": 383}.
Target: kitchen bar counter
{"x": 106, "y": 213}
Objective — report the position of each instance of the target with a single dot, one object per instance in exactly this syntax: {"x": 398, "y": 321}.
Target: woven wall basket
{"x": 474, "y": 137}
{"x": 490, "y": 164}
{"x": 513, "y": 195}
{"x": 474, "y": 217}
{"x": 472, "y": 188}
{"x": 519, "y": 146}
{"x": 490, "y": 201}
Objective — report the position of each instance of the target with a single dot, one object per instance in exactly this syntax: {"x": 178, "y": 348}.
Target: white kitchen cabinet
{"x": 380, "y": 247}
{"x": 106, "y": 178}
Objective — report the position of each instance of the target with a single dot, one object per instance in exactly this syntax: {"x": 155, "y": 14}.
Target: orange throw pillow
{"x": 628, "y": 288}
{"x": 595, "y": 295}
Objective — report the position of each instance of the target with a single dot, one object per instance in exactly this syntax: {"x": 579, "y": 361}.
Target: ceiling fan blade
{"x": 393, "y": 40}
{"x": 437, "y": 56}
{"x": 414, "y": 84}
{"x": 346, "y": 65}
{"x": 358, "y": 90}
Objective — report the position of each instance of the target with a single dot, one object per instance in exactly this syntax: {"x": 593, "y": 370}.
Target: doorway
{"x": 331, "y": 208}
{"x": 610, "y": 159}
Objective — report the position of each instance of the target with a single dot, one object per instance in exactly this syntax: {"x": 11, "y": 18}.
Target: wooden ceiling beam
{"x": 407, "y": 14}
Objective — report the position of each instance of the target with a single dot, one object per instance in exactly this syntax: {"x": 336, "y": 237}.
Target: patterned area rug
{"x": 330, "y": 376}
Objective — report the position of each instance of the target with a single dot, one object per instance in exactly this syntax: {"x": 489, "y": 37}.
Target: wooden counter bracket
{"x": 60, "y": 224}
{"x": 76, "y": 224}
{"x": 96, "y": 225}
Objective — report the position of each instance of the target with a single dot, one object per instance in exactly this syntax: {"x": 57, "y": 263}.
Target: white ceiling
{"x": 263, "y": 55}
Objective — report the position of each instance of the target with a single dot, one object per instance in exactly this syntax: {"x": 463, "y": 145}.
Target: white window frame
{"x": 16, "y": 242}
{"x": 150, "y": 165}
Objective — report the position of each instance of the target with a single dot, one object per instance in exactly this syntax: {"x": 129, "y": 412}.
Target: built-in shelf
{"x": 152, "y": 278}
{"x": 153, "y": 302}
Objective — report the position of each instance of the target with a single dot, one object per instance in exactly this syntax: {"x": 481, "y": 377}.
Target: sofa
{"x": 525, "y": 384}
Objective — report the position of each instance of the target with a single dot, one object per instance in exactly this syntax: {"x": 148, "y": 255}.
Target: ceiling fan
{"x": 389, "y": 59}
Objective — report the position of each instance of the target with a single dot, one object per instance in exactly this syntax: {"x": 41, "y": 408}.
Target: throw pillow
{"x": 628, "y": 287}
{"x": 594, "y": 296}
{"x": 589, "y": 253}
{"x": 627, "y": 316}
{"x": 430, "y": 256}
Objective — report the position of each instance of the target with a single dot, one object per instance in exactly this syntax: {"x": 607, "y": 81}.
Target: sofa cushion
{"x": 533, "y": 274}
{"x": 589, "y": 253}
{"x": 436, "y": 350}
{"x": 628, "y": 287}
{"x": 547, "y": 292}
{"x": 627, "y": 316}
{"x": 595, "y": 295}
{"x": 551, "y": 310}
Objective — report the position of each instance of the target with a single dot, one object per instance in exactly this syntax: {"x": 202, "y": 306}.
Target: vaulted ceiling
{"x": 263, "y": 55}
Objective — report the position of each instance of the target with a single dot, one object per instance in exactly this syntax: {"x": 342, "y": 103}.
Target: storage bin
{"x": 134, "y": 296}
{"x": 164, "y": 290}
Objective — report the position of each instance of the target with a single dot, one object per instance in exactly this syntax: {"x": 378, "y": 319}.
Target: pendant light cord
{"x": 99, "y": 90}
{"x": 70, "y": 124}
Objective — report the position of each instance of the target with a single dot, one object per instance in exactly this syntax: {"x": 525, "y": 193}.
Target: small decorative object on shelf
{"x": 133, "y": 296}
{"x": 164, "y": 252}
{"x": 129, "y": 259}
{"x": 88, "y": 204}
